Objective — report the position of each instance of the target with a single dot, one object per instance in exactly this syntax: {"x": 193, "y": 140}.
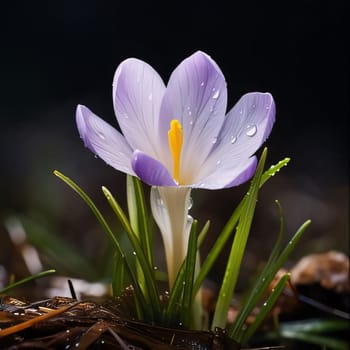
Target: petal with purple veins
{"x": 225, "y": 177}
{"x": 103, "y": 140}
{"x": 246, "y": 127}
{"x": 196, "y": 95}
{"x": 137, "y": 94}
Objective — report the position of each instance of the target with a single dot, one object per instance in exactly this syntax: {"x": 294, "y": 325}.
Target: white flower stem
{"x": 170, "y": 206}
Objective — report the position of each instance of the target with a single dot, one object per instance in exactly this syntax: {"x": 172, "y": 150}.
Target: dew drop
{"x": 160, "y": 202}
{"x": 150, "y": 97}
{"x": 191, "y": 122}
{"x": 134, "y": 253}
{"x": 155, "y": 268}
{"x": 202, "y": 83}
{"x": 233, "y": 139}
{"x": 241, "y": 111}
{"x": 215, "y": 139}
{"x": 216, "y": 94}
{"x": 189, "y": 203}
{"x": 101, "y": 135}
{"x": 251, "y": 130}
{"x": 218, "y": 162}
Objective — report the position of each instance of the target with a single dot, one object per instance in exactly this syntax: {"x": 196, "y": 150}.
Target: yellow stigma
{"x": 175, "y": 138}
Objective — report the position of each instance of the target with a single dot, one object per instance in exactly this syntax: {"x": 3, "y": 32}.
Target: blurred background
{"x": 57, "y": 54}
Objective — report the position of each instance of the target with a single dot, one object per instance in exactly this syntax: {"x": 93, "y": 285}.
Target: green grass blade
{"x": 190, "y": 266}
{"x": 238, "y": 248}
{"x": 276, "y": 250}
{"x": 225, "y": 234}
{"x": 259, "y": 288}
{"x": 264, "y": 281}
{"x": 150, "y": 290}
{"x": 321, "y": 332}
{"x": 138, "y": 293}
{"x": 203, "y": 233}
{"x": 172, "y": 312}
{"x": 291, "y": 245}
{"x": 273, "y": 170}
{"x": 138, "y": 215}
{"x": 217, "y": 247}
{"x": 321, "y": 326}
{"x": 118, "y": 277}
{"x": 26, "y": 280}
{"x": 266, "y": 308}
{"x": 323, "y": 341}
{"x": 92, "y": 206}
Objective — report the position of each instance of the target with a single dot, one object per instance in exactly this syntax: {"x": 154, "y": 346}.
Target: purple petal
{"x": 105, "y": 141}
{"x": 196, "y": 95}
{"x": 137, "y": 94}
{"x": 229, "y": 177}
{"x": 151, "y": 171}
{"x": 246, "y": 127}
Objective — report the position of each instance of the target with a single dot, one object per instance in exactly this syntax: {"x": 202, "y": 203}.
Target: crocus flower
{"x": 178, "y": 137}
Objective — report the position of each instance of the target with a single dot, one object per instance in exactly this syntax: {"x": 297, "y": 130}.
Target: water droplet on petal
{"x": 251, "y": 130}
{"x": 150, "y": 96}
{"x": 191, "y": 122}
{"x": 233, "y": 139}
{"x": 214, "y": 140}
{"x": 216, "y": 94}
{"x": 101, "y": 135}
{"x": 189, "y": 203}
{"x": 218, "y": 162}
{"x": 241, "y": 111}
{"x": 160, "y": 202}
{"x": 202, "y": 83}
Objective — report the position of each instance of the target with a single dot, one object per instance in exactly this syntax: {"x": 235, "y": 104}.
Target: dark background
{"x": 57, "y": 54}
